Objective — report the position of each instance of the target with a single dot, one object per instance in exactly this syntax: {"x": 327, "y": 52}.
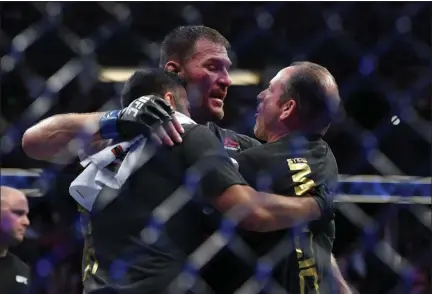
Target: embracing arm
{"x": 264, "y": 212}
{"x": 229, "y": 193}
{"x": 52, "y": 139}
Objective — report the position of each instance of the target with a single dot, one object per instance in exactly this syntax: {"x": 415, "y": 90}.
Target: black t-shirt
{"x": 290, "y": 166}
{"x": 233, "y": 143}
{"x": 14, "y": 275}
{"x": 141, "y": 240}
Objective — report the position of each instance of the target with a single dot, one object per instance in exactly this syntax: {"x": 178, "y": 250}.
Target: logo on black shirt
{"x": 230, "y": 144}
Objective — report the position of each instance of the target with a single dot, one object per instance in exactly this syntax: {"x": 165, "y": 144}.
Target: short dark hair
{"x": 154, "y": 81}
{"x": 315, "y": 91}
{"x": 180, "y": 42}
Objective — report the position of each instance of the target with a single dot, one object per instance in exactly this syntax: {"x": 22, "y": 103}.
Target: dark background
{"x": 380, "y": 54}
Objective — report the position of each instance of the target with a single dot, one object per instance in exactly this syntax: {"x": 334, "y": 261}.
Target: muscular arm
{"x": 279, "y": 212}
{"x": 52, "y": 138}
{"x": 59, "y": 138}
{"x": 264, "y": 212}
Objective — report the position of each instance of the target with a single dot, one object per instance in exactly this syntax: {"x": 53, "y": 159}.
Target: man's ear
{"x": 169, "y": 97}
{"x": 287, "y": 109}
{"x": 172, "y": 66}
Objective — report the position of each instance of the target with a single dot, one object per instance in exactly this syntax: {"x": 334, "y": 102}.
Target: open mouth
{"x": 218, "y": 94}
{"x": 216, "y": 101}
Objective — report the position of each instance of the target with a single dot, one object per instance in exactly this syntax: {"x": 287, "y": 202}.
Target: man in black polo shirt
{"x": 294, "y": 113}
{"x": 14, "y": 273}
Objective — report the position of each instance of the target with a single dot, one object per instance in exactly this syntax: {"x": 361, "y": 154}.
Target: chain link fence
{"x": 60, "y": 57}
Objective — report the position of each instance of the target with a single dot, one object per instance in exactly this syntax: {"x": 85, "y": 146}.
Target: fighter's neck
{"x": 277, "y": 136}
{"x": 277, "y": 133}
{"x": 274, "y": 137}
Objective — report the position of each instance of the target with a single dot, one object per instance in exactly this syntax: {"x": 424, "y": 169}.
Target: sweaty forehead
{"x": 206, "y": 49}
{"x": 278, "y": 78}
{"x": 281, "y": 76}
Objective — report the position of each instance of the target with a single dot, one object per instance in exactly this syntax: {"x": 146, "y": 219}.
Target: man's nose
{"x": 225, "y": 79}
{"x": 25, "y": 221}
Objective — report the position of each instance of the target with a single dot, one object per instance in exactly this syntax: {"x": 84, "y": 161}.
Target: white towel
{"x": 111, "y": 167}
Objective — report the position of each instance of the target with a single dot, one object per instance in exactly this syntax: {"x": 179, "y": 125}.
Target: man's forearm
{"x": 282, "y": 212}
{"x": 263, "y": 212}
{"x": 53, "y": 138}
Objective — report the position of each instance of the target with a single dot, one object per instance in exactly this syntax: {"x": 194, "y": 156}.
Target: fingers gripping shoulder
{"x": 151, "y": 108}
{"x": 143, "y": 115}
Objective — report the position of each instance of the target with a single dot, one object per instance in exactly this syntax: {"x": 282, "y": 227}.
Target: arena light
{"x": 239, "y": 77}
{"x": 109, "y": 75}
{"x": 242, "y": 77}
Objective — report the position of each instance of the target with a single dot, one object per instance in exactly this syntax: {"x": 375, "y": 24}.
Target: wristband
{"x": 108, "y": 125}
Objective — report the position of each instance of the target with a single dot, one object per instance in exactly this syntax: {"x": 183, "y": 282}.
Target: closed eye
{"x": 211, "y": 67}
{"x": 214, "y": 64}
